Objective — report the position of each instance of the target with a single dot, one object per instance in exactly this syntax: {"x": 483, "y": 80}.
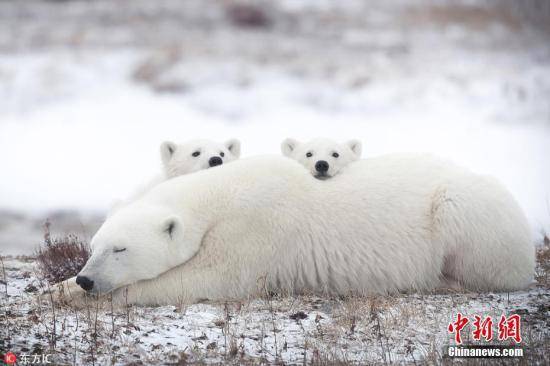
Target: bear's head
{"x": 139, "y": 242}
{"x": 195, "y": 155}
{"x": 324, "y": 158}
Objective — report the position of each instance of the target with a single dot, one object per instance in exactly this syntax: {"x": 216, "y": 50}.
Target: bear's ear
{"x": 288, "y": 146}
{"x": 356, "y": 147}
{"x": 167, "y": 149}
{"x": 172, "y": 227}
{"x": 234, "y": 147}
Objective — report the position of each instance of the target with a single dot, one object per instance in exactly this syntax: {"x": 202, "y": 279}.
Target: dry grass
{"x": 61, "y": 258}
{"x": 543, "y": 263}
{"x": 260, "y": 330}
{"x": 333, "y": 331}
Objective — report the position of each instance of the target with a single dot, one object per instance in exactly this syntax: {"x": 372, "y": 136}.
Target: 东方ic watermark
{"x": 11, "y": 358}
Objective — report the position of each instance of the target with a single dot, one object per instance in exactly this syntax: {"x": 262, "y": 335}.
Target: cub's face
{"x": 322, "y": 157}
{"x": 136, "y": 243}
{"x": 192, "y": 156}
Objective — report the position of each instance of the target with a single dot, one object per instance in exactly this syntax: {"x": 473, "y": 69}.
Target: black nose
{"x": 216, "y": 160}
{"x": 321, "y": 166}
{"x": 84, "y": 282}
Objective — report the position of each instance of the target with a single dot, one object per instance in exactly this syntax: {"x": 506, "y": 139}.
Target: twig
{"x": 5, "y": 304}
{"x": 95, "y": 335}
{"x": 272, "y": 312}
{"x": 54, "y": 328}
{"x": 225, "y": 328}
{"x": 305, "y": 342}
{"x": 127, "y": 307}
{"x": 40, "y": 314}
{"x": 112, "y": 318}
{"x": 47, "y": 234}
{"x": 89, "y": 316}
{"x": 75, "y": 337}
{"x": 262, "y": 336}
{"x": 5, "y": 277}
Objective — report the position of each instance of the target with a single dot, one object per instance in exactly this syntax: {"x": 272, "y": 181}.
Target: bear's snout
{"x": 84, "y": 282}
{"x": 321, "y": 166}
{"x": 214, "y": 161}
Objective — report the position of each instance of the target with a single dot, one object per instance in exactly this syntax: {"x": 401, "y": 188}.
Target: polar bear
{"x": 185, "y": 158}
{"x": 389, "y": 224}
{"x": 324, "y": 158}
{"x": 195, "y": 155}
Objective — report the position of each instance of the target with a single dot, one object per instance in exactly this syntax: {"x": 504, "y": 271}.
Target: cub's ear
{"x": 167, "y": 150}
{"x": 356, "y": 147}
{"x": 234, "y": 147}
{"x": 288, "y": 146}
{"x": 172, "y": 227}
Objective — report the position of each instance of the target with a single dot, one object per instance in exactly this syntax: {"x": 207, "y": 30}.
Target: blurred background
{"x": 89, "y": 90}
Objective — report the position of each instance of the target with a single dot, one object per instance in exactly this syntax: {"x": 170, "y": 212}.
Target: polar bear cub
{"x": 195, "y": 155}
{"x": 324, "y": 158}
{"x": 185, "y": 158}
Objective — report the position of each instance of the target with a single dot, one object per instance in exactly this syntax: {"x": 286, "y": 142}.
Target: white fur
{"x": 322, "y": 150}
{"x": 384, "y": 225}
{"x": 178, "y": 159}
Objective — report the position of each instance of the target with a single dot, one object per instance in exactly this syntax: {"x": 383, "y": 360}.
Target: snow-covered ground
{"x": 89, "y": 90}
{"x": 81, "y": 120}
{"x": 403, "y": 329}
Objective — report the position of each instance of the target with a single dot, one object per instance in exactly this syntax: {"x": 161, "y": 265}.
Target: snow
{"x": 89, "y": 90}
{"x": 402, "y": 328}
{"x": 76, "y": 132}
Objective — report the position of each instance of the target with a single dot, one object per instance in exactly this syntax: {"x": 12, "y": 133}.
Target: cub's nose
{"x": 84, "y": 282}
{"x": 321, "y": 166}
{"x": 216, "y": 160}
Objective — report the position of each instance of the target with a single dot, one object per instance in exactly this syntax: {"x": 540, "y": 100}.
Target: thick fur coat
{"x": 396, "y": 223}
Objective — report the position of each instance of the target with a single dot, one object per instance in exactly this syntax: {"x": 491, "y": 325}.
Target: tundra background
{"x": 89, "y": 89}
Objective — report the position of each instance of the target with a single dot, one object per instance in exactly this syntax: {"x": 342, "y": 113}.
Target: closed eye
{"x": 119, "y": 250}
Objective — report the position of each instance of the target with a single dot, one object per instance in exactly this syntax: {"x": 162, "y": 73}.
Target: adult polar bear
{"x": 384, "y": 225}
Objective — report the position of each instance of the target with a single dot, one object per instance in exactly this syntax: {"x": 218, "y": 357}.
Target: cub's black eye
{"x": 119, "y": 250}
{"x": 222, "y": 154}
{"x": 309, "y": 154}
{"x": 196, "y": 153}
{"x": 335, "y": 154}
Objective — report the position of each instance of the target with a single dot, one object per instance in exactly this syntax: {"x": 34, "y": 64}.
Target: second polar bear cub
{"x": 324, "y": 158}
{"x": 195, "y": 155}
{"x": 185, "y": 158}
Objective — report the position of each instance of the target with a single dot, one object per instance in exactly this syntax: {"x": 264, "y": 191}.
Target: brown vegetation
{"x": 61, "y": 258}
{"x": 543, "y": 263}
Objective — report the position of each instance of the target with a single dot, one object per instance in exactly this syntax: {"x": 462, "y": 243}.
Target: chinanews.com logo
{"x": 11, "y": 358}
{"x": 483, "y": 329}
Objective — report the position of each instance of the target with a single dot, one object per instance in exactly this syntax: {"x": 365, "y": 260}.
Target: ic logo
{"x": 10, "y": 358}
